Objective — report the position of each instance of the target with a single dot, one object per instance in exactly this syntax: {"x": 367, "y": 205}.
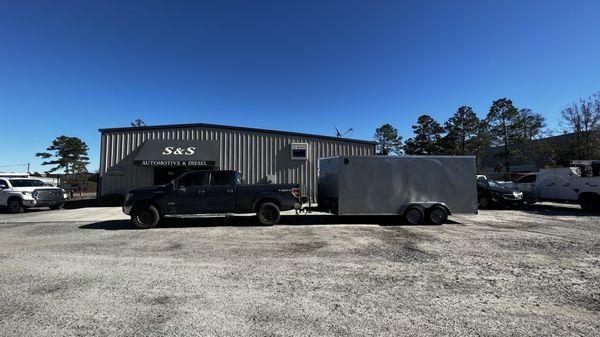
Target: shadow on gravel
{"x": 246, "y": 221}
{"x": 82, "y": 203}
{"x": 557, "y": 210}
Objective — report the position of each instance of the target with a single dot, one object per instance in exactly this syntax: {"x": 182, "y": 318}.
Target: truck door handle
{"x": 229, "y": 191}
{"x": 201, "y": 192}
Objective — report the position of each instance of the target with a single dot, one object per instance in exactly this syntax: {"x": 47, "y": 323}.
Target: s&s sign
{"x": 169, "y": 150}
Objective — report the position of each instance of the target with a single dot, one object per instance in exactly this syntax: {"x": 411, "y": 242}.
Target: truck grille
{"x": 48, "y": 195}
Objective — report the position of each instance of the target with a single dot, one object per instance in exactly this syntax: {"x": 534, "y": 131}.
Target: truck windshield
{"x": 26, "y": 183}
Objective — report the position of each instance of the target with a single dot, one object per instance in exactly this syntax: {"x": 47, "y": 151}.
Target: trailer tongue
{"x": 419, "y": 188}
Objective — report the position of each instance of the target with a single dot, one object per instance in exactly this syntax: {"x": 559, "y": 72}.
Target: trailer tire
{"x": 414, "y": 215}
{"x": 437, "y": 215}
{"x": 268, "y": 214}
{"x": 146, "y": 217}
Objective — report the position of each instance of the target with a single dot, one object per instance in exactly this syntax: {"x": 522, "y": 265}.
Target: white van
{"x": 579, "y": 183}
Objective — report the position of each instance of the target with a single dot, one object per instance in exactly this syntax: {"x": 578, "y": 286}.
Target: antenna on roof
{"x": 340, "y": 134}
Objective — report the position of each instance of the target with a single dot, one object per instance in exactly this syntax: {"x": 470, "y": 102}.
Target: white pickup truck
{"x": 17, "y": 194}
{"x": 578, "y": 183}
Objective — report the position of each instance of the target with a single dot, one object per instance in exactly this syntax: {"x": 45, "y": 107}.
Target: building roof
{"x": 237, "y": 128}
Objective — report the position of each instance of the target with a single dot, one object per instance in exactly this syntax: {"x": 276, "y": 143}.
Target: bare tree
{"x": 583, "y": 120}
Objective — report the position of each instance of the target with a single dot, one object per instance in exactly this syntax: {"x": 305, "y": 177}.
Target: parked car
{"x": 17, "y": 194}
{"x": 210, "y": 192}
{"x": 579, "y": 183}
{"x": 492, "y": 194}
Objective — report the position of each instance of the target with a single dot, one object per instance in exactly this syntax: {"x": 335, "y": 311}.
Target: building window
{"x": 299, "y": 151}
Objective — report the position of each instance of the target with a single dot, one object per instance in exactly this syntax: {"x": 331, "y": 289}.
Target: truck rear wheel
{"x": 414, "y": 215}
{"x": 437, "y": 215}
{"x": 146, "y": 217}
{"x": 268, "y": 214}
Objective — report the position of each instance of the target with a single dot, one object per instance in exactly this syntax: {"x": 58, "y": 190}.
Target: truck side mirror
{"x": 2, "y": 186}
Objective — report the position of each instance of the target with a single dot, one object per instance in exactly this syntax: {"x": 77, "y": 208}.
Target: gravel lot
{"x": 532, "y": 272}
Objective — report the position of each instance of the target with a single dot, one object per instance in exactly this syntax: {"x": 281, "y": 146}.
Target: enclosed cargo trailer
{"x": 418, "y": 187}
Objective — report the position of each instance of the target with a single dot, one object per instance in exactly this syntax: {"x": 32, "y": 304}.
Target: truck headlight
{"x": 27, "y": 193}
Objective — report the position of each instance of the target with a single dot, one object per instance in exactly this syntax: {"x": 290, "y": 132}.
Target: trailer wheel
{"x": 437, "y": 215}
{"x": 268, "y": 214}
{"x": 146, "y": 217}
{"x": 414, "y": 215}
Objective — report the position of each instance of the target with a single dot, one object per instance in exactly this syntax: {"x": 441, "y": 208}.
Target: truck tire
{"x": 268, "y": 214}
{"x": 414, "y": 215}
{"x": 483, "y": 202}
{"x": 437, "y": 215}
{"x": 590, "y": 202}
{"x": 15, "y": 205}
{"x": 147, "y": 217}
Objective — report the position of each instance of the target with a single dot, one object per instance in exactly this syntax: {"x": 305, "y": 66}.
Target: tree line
{"x": 508, "y": 129}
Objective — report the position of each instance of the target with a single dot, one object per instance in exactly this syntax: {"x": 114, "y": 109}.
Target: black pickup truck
{"x": 210, "y": 192}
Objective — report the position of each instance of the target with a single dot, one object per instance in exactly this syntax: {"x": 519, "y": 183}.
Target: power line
{"x": 15, "y": 165}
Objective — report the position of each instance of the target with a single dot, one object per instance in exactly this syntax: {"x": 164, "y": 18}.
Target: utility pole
{"x": 28, "y": 165}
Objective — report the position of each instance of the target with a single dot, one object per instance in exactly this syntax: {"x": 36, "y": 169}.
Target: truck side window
{"x": 220, "y": 179}
{"x": 194, "y": 179}
{"x": 3, "y": 182}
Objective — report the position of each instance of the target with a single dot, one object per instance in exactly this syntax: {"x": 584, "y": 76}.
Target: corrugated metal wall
{"x": 255, "y": 154}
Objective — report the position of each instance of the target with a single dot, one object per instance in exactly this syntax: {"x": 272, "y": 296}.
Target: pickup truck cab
{"x": 210, "y": 192}
{"x": 17, "y": 194}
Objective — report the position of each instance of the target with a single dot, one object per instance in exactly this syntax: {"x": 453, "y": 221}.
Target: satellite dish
{"x": 340, "y": 134}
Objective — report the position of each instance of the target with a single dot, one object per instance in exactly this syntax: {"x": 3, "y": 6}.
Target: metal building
{"x": 143, "y": 156}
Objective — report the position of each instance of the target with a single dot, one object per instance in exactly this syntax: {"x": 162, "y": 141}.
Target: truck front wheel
{"x": 145, "y": 218}
{"x": 268, "y": 214}
{"x": 590, "y": 202}
{"x": 15, "y": 205}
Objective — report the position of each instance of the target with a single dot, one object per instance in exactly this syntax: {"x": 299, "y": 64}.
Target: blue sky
{"x": 73, "y": 67}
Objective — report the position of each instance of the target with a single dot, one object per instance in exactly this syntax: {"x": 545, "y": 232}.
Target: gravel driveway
{"x": 532, "y": 272}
